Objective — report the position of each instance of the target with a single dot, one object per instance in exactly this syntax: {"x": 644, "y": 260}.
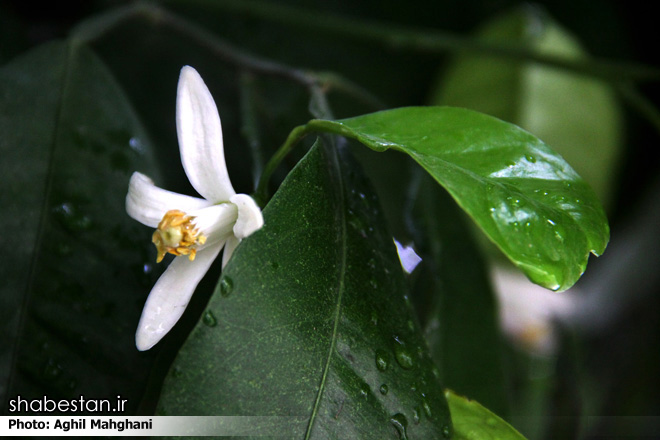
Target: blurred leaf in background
{"x": 579, "y": 116}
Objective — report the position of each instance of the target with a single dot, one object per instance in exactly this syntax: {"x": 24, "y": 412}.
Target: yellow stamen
{"x": 177, "y": 235}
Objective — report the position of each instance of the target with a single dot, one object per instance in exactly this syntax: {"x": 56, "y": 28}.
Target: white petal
{"x": 408, "y": 257}
{"x": 230, "y": 246}
{"x": 170, "y": 296}
{"x": 147, "y": 203}
{"x": 215, "y": 222}
{"x": 249, "y": 219}
{"x": 200, "y": 138}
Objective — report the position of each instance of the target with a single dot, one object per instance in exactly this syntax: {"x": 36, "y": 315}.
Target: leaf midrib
{"x": 340, "y": 292}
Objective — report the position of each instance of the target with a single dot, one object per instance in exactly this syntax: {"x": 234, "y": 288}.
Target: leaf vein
{"x": 340, "y": 291}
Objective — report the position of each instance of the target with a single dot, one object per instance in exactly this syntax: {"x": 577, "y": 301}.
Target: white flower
{"x": 192, "y": 228}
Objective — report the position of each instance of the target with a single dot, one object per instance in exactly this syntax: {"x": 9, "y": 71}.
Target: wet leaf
{"x": 523, "y": 195}
{"x": 77, "y": 274}
{"x": 311, "y": 319}
{"x": 579, "y": 116}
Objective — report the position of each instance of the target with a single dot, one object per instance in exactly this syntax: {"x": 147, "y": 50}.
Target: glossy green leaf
{"x": 579, "y": 116}
{"x": 311, "y": 319}
{"x": 523, "y": 195}
{"x": 454, "y": 297}
{"x": 474, "y": 422}
{"x": 75, "y": 272}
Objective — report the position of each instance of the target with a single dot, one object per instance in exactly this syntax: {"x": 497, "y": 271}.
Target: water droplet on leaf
{"x": 364, "y": 390}
{"x": 426, "y": 407}
{"x": 402, "y": 355}
{"x": 52, "y": 369}
{"x": 384, "y": 389}
{"x": 401, "y": 424}
{"x": 71, "y": 217}
{"x": 226, "y": 286}
{"x": 381, "y": 360}
{"x": 209, "y": 319}
{"x": 446, "y": 431}
{"x": 416, "y": 416}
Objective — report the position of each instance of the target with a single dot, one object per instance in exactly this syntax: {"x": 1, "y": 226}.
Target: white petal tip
{"x": 144, "y": 339}
{"x": 188, "y": 73}
{"x": 249, "y": 219}
{"x": 408, "y": 257}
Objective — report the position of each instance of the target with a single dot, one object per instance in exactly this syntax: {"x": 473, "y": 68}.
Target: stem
{"x": 250, "y": 123}
{"x": 296, "y": 135}
{"x": 97, "y": 27}
{"x": 425, "y": 40}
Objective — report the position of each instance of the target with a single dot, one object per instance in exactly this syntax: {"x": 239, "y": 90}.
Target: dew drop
{"x": 402, "y": 355}
{"x": 209, "y": 319}
{"x": 71, "y": 217}
{"x": 530, "y": 158}
{"x": 446, "y": 431}
{"x": 382, "y": 361}
{"x": 373, "y": 283}
{"x": 416, "y": 415}
{"x": 52, "y": 369}
{"x": 374, "y": 318}
{"x": 226, "y": 286}
{"x": 426, "y": 407}
{"x": 384, "y": 389}
{"x": 364, "y": 390}
{"x": 401, "y": 424}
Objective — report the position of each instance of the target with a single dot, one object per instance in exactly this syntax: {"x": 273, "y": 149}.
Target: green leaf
{"x": 474, "y": 422}
{"x": 579, "y": 116}
{"x": 453, "y": 295}
{"x": 310, "y": 319}
{"x": 76, "y": 273}
{"x": 523, "y": 195}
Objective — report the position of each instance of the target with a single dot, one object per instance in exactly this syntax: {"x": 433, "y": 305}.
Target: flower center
{"x": 177, "y": 235}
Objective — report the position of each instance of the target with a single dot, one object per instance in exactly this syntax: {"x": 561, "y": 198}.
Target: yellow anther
{"x": 177, "y": 235}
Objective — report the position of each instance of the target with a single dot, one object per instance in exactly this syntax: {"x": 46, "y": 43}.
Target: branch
{"x": 95, "y": 28}
{"x": 425, "y": 40}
